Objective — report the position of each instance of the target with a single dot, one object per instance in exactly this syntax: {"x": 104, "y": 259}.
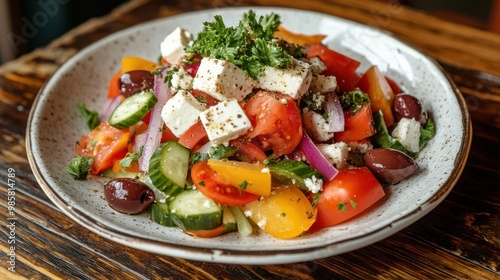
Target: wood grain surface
{"x": 460, "y": 239}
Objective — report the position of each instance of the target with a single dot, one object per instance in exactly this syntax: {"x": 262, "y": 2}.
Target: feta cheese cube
{"x": 336, "y": 153}
{"x": 172, "y": 47}
{"x": 323, "y": 84}
{"x": 225, "y": 121}
{"x": 293, "y": 81}
{"x": 181, "y": 112}
{"x": 222, "y": 79}
{"x": 181, "y": 80}
{"x": 317, "y": 65}
{"x": 316, "y": 125}
{"x": 407, "y": 132}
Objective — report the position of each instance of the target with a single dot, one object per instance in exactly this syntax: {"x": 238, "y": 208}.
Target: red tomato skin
{"x": 212, "y": 185}
{"x": 105, "y": 144}
{"x": 356, "y": 184}
{"x": 276, "y": 122}
{"x": 194, "y": 136}
{"x": 251, "y": 151}
{"x": 358, "y": 126}
{"x": 341, "y": 66}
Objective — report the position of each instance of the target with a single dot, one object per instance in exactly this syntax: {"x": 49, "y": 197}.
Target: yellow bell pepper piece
{"x": 130, "y": 63}
{"x": 285, "y": 214}
{"x": 253, "y": 178}
{"x": 296, "y": 38}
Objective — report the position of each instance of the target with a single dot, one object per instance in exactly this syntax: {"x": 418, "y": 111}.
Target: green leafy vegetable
{"x": 427, "y": 133}
{"x": 250, "y": 45}
{"x": 91, "y": 116}
{"x": 342, "y": 206}
{"x": 80, "y": 166}
{"x": 384, "y": 139}
{"x": 354, "y": 100}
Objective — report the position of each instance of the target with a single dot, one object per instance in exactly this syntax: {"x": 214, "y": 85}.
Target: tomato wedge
{"x": 249, "y": 150}
{"x": 213, "y": 186}
{"x": 276, "y": 122}
{"x": 351, "y": 192}
{"x": 358, "y": 126}
{"x": 105, "y": 144}
{"x": 195, "y": 135}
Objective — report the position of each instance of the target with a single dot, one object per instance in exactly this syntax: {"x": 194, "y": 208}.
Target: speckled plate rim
{"x": 271, "y": 256}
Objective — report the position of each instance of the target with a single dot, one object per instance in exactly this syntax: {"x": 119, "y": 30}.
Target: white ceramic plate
{"x": 55, "y": 125}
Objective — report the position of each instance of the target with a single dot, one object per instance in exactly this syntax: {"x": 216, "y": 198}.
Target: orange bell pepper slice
{"x": 296, "y": 38}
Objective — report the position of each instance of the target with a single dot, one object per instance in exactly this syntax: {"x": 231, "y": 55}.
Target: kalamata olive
{"x": 129, "y": 196}
{"x": 409, "y": 106}
{"x": 389, "y": 165}
{"x": 135, "y": 81}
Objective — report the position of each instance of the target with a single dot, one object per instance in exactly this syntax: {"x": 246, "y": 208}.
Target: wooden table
{"x": 459, "y": 239}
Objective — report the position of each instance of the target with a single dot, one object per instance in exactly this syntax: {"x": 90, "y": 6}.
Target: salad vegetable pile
{"x": 250, "y": 126}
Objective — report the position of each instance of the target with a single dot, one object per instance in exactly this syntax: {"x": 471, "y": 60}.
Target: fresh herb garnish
{"x": 243, "y": 185}
{"x": 250, "y": 45}
{"x": 353, "y": 204}
{"x": 353, "y": 100}
{"x": 80, "y": 166}
{"x": 316, "y": 199}
{"x": 91, "y": 116}
{"x": 217, "y": 152}
{"x": 342, "y": 206}
{"x": 131, "y": 157}
{"x": 426, "y": 133}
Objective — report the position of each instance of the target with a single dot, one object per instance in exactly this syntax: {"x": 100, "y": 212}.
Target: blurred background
{"x": 29, "y": 24}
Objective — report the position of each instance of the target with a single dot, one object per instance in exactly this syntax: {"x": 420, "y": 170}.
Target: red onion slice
{"x": 335, "y": 112}
{"x": 316, "y": 158}
{"x": 108, "y": 108}
{"x": 153, "y": 136}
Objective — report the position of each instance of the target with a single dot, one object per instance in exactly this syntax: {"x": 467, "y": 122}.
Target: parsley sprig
{"x": 250, "y": 45}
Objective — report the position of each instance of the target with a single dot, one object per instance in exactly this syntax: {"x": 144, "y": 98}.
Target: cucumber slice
{"x": 132, "y": 109}
{"x": 228, "y": 219}
{"x": 160, "y": 214}
{"x": 291, "y": 172}
{"x": 191, "y": 210}
{"x": 168, "y": 167}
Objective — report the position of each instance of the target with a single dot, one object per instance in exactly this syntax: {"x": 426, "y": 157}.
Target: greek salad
{"x": 249, "y": 126}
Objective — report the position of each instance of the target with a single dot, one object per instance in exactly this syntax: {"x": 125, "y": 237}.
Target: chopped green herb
{"x": 243, "y": 185}
{"x": 250, "y": 45}
{"x": 201, "y": 183}
{"x": 316, "y": 199}
{"x": 353, "y": 204}
{"x": 353, "y": 100}
{"x": 342, "y": 206}
{"x": 91, "y": 116}
{"x": 283, "y": 214}
{"x": 80, "y": 166}
{"x": 131, "y": 157}
{"x": 217, "y": 152}
{"x": 168, "y": 76}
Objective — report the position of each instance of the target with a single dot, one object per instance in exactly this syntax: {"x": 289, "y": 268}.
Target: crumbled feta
{"x": 172, "y": 47}
{"x": 317, "y": 65}
{"x": 360, "y": 147}
{"x": 265, "y": 170}
{"x": 181, "y": 112}
{"x": 248, "y": 213}
{"x": 316, "y": 125}
{"x": 314, "y": 184}
{"x": 407, "y": 132}
{"x": 225, "y": 121}
{"x": 323, "y": 84}
{"x": 222, "y": 79}
{"x": 335, "y": 153}
{"x": 181, "y": 80}
{"x": 293, "y": 81}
